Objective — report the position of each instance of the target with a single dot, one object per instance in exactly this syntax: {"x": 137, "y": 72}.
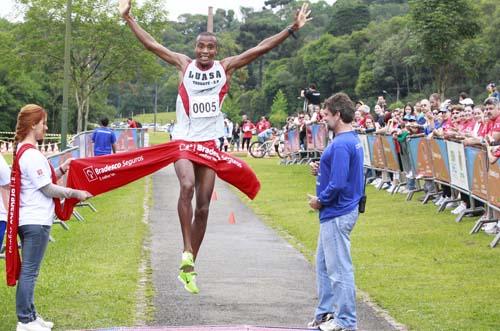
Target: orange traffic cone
{"x": 214, "y": 196}
{"x": 231, "y": 218}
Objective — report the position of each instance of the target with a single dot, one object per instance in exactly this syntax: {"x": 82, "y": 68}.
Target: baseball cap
{"x": 467, "y": 102}
{"x": 364, "y": 108}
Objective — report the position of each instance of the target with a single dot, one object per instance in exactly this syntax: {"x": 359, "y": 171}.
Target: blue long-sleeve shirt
{"x": 340, "y": 180}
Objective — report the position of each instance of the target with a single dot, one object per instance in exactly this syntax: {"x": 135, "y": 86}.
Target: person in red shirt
{"x": 131, "y": 123}
{"x": 263, "y": 124}
{"x": 247, "y": 128}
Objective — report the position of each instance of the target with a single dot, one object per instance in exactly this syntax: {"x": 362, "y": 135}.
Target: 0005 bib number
{"x": 204, "y": 106}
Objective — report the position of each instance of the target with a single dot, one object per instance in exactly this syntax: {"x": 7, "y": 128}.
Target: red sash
{"x": 12, "y": 258}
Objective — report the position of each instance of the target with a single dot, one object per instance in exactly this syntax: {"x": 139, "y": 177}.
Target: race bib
{"x": 204, "y": 106}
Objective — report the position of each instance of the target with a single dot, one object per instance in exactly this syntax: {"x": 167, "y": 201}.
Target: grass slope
{"x": 421, "y": 266}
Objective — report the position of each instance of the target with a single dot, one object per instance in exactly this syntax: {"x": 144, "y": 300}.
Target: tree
{"x": 103, "y": 49}
{"x": 348, "y": 16}
{"x": 441, "y": 26}
{"x": 279, "y": 111}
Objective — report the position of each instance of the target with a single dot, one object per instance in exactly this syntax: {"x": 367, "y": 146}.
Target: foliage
{"x": 279, "y": 111}
{"x": 361, "y": 47}
{"x": 441, "y": 27}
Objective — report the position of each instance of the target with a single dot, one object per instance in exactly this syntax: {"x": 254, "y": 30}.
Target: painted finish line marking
{"x": 202, "y": 328}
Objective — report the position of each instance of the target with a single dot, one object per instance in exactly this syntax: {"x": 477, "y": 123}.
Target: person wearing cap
{"x": 365, "y": 114}
{"x": 466, "y": 102}
{"x": 492, "y": 91}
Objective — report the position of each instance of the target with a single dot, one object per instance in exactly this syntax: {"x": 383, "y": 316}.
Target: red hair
{"x": 28, "y": 116}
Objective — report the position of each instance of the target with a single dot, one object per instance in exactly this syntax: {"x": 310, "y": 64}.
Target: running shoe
{"x": 315, "y": 323}
{"x": 44, "y": 323}
{"x": 189, "y": 281}
{"x": 331, "y": 325}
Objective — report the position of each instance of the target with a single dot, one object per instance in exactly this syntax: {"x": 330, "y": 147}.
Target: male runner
{"x": 203, "y": 84}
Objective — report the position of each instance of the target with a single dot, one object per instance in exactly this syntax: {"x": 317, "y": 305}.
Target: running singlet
{"x": 199, "y": 102}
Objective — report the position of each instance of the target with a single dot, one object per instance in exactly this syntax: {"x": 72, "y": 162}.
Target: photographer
{"x": 312, "y": 98}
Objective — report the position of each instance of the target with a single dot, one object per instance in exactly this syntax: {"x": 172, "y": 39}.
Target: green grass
{"x": 421, "y": 266}
{"x": 161, "y": 118}
{"x": 157, "y": 137}
{"x": 89, "y": 276}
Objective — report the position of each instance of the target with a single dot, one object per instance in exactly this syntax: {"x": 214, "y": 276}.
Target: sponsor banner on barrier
{"x": 457, "y": 165}
{"x": 477, "y": 170}
{"x": 391, "y": 156}
{"x": 420, "y": 156}
{"x": 377, "y": 151}
{"x": 493, "y": 181}
{"x": 320, "y": 136}
{"x": 292, "y": 141}
{"x": 366, "y": 150}
{"x": 58, "y": 159}
{"x": 440, "y": 160}
{"x": 126, "y": 140}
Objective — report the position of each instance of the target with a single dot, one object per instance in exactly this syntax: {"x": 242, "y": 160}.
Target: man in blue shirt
{"x": 104, "y": 139}
{"x": 339, "y": 188}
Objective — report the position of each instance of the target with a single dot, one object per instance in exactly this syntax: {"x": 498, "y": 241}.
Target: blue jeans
{"x": 34, "y": 240}
{"x": 412, "y": 184}
{"x": 334, "y": 270}
{"x": 2, "y": 231}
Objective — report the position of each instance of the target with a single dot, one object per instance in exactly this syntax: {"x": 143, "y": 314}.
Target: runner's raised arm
{"x": 235, "y": 62}
{"x": 177, "y": 59}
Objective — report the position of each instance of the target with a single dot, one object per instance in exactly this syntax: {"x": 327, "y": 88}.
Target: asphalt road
{"x": 247, "y": 274}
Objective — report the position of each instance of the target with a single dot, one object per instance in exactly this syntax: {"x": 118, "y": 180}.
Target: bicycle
{"x": 275, "y": 145}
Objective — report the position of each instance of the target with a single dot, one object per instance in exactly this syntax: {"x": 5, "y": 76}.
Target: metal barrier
{"x": 464, "y": 168}
{"x": 315, "y": 142}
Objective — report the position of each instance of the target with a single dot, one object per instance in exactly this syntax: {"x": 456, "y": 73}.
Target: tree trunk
{"x": 79, "y": 112}
{"x": 87, "y": 108}
{"x": 407, "y": 81}
{"x": 397, "y": 90}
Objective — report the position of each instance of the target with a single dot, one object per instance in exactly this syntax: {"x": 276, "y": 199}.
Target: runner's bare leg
{"x": 204, "y": 184}
{"x": 186, "y": 175}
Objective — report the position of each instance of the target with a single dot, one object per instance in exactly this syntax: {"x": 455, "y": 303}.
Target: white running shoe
{"x": 461, "y": 207}
{"x": 439, "y": 201}
{"x": 42, "y": 322}
{"x": 491, "y": 228}
{"x": 31, "y": 326}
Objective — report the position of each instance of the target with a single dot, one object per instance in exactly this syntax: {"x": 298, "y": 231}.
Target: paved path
{"x": 248, "y": 275}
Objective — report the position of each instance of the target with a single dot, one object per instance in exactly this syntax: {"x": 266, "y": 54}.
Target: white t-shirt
{"x": 4, "y": 180}
{"x": 35, "y": 207}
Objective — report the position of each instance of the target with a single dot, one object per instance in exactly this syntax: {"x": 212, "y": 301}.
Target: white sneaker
{"x": 376, "y": 182}
{"x": 403, "y": 190}
{"x": 461, "y": 207}
{"x": 491, "y": 228}
{"x": 439, "y": 201}
{"x": 31, "y": 326}
{"x": 42, "y": 322}
{"x": 331, "y": 326}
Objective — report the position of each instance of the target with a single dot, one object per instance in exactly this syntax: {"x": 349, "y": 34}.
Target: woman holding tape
{"x": 33, "y": 198}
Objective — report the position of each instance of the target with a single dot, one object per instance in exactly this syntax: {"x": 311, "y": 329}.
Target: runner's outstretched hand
{"x": 124, "y": 7}
{"x": 301, "y": 17}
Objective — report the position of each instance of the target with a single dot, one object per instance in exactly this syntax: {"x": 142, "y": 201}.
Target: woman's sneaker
{"x": 31, "y": 326}
{"x": 315, "y": 323}
{"x": 42, "y": 322}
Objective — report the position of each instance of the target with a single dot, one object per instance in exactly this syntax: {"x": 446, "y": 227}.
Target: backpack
{"x": 139, "y": 125}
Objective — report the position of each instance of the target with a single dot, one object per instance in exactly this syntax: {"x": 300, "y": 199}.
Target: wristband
{"x": 291, "y": 33}
{"x": 62, "y": 171}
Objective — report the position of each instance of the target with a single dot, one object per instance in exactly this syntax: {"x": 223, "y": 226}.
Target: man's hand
{"x": 314, "y": 202}
{"x": 301, "y": 17}
{"x": 124, "y": 8}
{"x": 314, "y": 168}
